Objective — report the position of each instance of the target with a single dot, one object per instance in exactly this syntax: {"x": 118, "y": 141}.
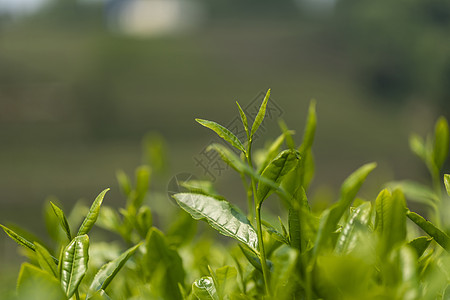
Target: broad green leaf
{"x": 34, "y": 283}
{"x": 244, "y": 120}
{"x": 224, "y": 279}
{"x": 391, "y": 218}
{"x": 204, "y": 289}
{"x": 439, "y": 236}
{"x": 420, "y": 244}
{"x": 260, "y": 116}
{"x": 45, "y": 260}
{"x": 360, "y": 217}
{"x": 62, "y": 220}
{"x": 275, "y": 171}
{"x": 441, "y": 142}
{"x": 142, "y": 184}
{"x": 159, "y": 260}
{"x": 92, "y": 214}
{"x": 18, "y": 239}
{"x": 108, "y": 271}
{"x": 223, "y": 132}
{"x": 310, "y": 128}
{"x": 447, "y": 183}
{"x": 221, "y": 216}
{"x": 124, "y": 182}
{"x": 74, "y": 264}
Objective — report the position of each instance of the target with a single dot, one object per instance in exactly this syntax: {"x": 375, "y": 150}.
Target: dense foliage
{"x": 353, "y": 249}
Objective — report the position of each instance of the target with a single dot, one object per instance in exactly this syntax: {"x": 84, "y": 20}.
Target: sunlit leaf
{"x": 45, "y": 260}
{"x": 223, "y": 132}
{"x": 220, "y": 215}
{"x": 62, "y": 220}
{"x": 439, "y": 236}
{"x": 92, "y": 214}
{"x": 261, "y": 114}
{"x": 74, "y": 264}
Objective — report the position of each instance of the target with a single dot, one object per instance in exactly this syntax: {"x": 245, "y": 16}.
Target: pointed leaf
{"x": 439, "y": 236}
{"x": 19, "y": 239}
{"x": 347, "y": 240}
{"x": 416, "y": 192}
{"x": 204, "y": 289}
{"x": 447, "y": 183}
{"x": 74, "y": 264}
{"x": 224, "y": 279}
{"x": 221, "y": 216}
{"x": 99, "y": 295}
{"x": 353, "y": 183}
{"x": 108, "y": 271}
{"x": 62, "y": 220}
{"x": 244, "y": 120}
{"x": 275, "y": 171}
{"x": 92, "y": 214}
{"x": 441, "y": 142}
{"x": 223, "y": 132}
{"x": 260, "y": 116}
{"x": 310, "y": 128}
{"x": 45, "y": 260}
{"x": 142, "y": 184}
{"x": 417, "y": 146}
{"x": 390, "y": 210}
{"x": 124, "y": 182}
{"x": 420, "y": 244}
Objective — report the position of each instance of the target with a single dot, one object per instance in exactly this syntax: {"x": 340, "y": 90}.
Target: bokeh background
{"x": 83, "y": 82}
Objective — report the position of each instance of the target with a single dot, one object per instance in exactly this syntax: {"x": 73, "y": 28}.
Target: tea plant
{"x": 353, "y": 249}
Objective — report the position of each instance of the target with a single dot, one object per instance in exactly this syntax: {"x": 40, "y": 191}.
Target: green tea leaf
{"x": 162, "y": 260}
{"x": 18, "y": 239}
{"x": 244, "y": 120}
{"x": 99, "y": 295}
{"x": 62, "y": 220}
{"x": 260, "y": 116}
{"x": 45, "y": 260}
{"x": 441, "y": 142}
{"x": 416, "y": 192}
{"x": 417, "y": 146}
{"x": 310, "y": 128}
{"x": 439, "y": 236}
{"x": 420, "y": 244}
{"x": 272, "y": 151}
{"x": 284, "y": 277}
{"x": 275, "y": 171}
{"x": 142, "y": 184}
{"x": 447, "y": 183}
{"x": 224, "y": 279}
{"x": 34, "y": 283}
{"x": 74, "y": 264}
{"x": 223, "y": 133}
{"x": 92, "y": 214}
{"x": 390, "y": 212}
{"x": 221, "y": 216}
{"x": 204, "y": 289}
{"x": 108, "y": 271}
{"x": 124, "y": 182}
{"x": 331, "y": 217}
{"x": 360, "y": 217}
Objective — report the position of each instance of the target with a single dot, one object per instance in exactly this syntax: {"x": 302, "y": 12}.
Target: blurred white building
{"x": 149, "y": 18}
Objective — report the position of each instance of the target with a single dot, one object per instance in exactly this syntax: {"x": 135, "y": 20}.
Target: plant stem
{"x": 262, "y": 251}
{"x": 77, "y": 296}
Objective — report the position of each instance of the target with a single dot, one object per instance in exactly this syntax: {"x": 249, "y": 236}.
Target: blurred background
{"x": 82, "y": 82}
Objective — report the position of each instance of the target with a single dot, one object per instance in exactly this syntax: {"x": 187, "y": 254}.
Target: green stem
{"x": 77, "y": 296}
{"x": 262, "y": 251}
{"x": 248, "y": 190}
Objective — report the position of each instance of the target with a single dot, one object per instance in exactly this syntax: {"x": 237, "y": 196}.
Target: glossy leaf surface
{"x": 92, "y": 215}
{"x": 223, "y": 132}
{"x": 74, "y": 264}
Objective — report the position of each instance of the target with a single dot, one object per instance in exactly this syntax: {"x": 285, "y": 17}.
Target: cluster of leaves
{"x": 353, "y": 249}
